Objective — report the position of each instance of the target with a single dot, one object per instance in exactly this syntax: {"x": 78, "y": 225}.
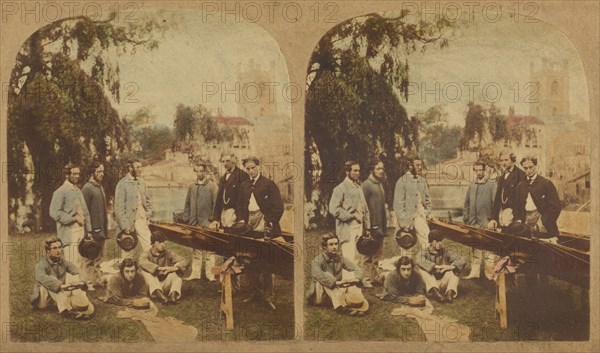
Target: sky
{"x": 492, "y": 55}
{"x": 196, "y": 64}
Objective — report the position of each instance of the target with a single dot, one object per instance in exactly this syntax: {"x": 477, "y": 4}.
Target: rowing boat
{"x": 568, "y": 259}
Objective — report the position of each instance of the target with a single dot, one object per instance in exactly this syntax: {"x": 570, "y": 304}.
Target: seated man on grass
{"x": 404, "y": 283}
{"x": 439, "y": 268}
{"x": 50, "y": 286}
{"x": 127, "y": 285}
{"x": 326, "y": 272}
{"x": 162, "y": 270}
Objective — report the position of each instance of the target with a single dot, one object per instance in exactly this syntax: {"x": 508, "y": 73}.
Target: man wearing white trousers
{"x": 412, "y": 203}
{"x": 132, "y": 206}
{"x": 349, "y": 208}
{"x": 199, "y": 204}
{"x": 69, "y": 210}
{"x": 162, "y": 270}
{"x": 477, "y": 211}
{"x": 439, "y": 267}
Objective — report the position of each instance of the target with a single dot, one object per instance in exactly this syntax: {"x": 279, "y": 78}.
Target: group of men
{"x": 149, "y": 270}
{"x": 516, "y": 196}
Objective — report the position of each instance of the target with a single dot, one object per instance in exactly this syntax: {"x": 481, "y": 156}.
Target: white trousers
{"x": 446, "y": 283}
{"x": 336, "y": 294}
{"x": 61, "y": 298}
{"x": 198, "y": 258}
{"x": 349, "y": 247}
{"x": 170, "y": 284}
{"x": 143, "y": 235}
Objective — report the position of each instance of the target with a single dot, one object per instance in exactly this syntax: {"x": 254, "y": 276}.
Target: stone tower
{"x": 552, "y": 98}
{"x": 259, "y": 90}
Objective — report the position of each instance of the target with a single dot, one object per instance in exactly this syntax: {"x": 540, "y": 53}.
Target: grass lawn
{"x": 555, "y": 316}
{"x": 199, "y": 306}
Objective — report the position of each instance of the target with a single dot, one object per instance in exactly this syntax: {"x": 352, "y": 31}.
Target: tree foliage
{"x": 357, "y": 76}
{"x": 60, "y": 101}
{"x": 439, "y": 141}
{"x": 197, "y": 124}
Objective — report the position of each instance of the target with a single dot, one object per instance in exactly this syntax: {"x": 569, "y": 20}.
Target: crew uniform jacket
{"x": 66, "y": 202}
{"x": 443, "y": 256}
{"x": 506, "y": 191}
{"x": 546, "y": 200}
{"x": 478, "y": 202}
{"x": 228, "y": 195}
{"x": 327, "y": 271}
{"x": 346, "y": 200}
{"x": 199, "y": 203}
{"x": 52, "y": 275}
{"x": 268, "y": 198}
{"x": 121, "y": 292}
{"x": 95, "y": 198}
{"x": 374, "y": 192}
{"x": 151, "y": 260}
{"x": 409, "y": 189}
{"x": 126, "y": 195}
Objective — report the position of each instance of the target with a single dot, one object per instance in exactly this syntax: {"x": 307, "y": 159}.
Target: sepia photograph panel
{"x": 448, "y": 181}
{"x": 148, "y": 186}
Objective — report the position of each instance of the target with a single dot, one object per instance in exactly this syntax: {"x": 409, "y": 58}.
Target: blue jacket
{"x": 126, "y": 201}
{"x": 408, "y": 188}
{"x": 67, "y": 200}
{"x": 479, "y": 202}
{"x": 200, "y": 202}
{"x": 327, "y": 271}
{"x": 346, "y": 200}
{"x": 52, "y": 275}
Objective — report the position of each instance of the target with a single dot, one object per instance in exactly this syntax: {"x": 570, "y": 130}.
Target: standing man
{"x": 162, "y": 270}
{"x": 95, "y": 199}
{"x": 228, "y": 194}
{"x": 504, "y": 201}
{"x": 412, "y": 203}
{"x": 69, "y": 210}
{"x": 261, "y": 208}
{"x": 538, "y": 204}
{"x": 478, "y": 211}
{"x": 349, "y": 208}
{"x": 199, "y": 204}
{"x": 374, "y": 191}
{"x": 132, "y": 206}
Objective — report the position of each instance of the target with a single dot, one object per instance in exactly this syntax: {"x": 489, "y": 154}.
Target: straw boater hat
{"x": 140, "y": 303}
{"x": 89, "y": 248}
{"x": 82, "y": 304}
{"x": 406, "y": 238}
{"x": 356, "y": 301}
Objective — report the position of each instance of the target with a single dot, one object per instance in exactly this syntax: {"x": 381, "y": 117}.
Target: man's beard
{"x": 334, "y": 256}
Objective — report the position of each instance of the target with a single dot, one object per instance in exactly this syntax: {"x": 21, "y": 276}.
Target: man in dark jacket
{"x": 403, "y": 283}
{"x": 228, "y": 196}
{"x": 95, "y": 199}
{"x": 439, "y": 268}
{"x": 127, "y": 285}
{"x": 504, "y": 201}
{"x": 162, "y": 270}
{"x": 261, "y": 208}
{"x": 374, "y": 191}
{"x": 537, "y": 200}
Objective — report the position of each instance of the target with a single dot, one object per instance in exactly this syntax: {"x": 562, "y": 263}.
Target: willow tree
{"x": 357, "y": 77}
{"x": 61, "y": 93}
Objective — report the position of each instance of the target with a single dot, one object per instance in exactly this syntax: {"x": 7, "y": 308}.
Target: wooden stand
{"x": 226, "y": 298}
{"x": 501, "y": 306}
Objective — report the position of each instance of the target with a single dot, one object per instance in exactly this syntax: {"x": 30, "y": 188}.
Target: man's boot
{"x": 435, "y": 294}
{"x": 161, "y": 297}
{"x": 172, "y": 298}
{"x": 450, "y": 294}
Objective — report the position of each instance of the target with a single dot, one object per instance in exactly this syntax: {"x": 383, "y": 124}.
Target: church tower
{"x": 552, "y": 98}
